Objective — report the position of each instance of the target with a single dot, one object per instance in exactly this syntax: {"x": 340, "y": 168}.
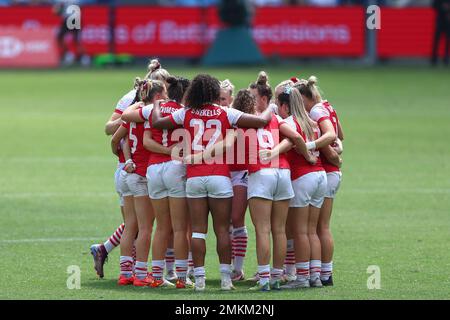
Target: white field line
{"x": 398, "y": 190}
{"x": 15, "y": 195}
{"x": 79, "y": 160}
{"x": 13, "y": 241}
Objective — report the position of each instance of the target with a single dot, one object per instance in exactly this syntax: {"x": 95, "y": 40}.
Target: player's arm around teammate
{"x": 309, "y": 184}
{"x": 137, "y": 182}
{"x": 208, "y": 186}
{"x": 130, "y": 232}
{"x": 269, "y": 191}
{"x": 323, "y": 113}
{"x": 166, "y": 183}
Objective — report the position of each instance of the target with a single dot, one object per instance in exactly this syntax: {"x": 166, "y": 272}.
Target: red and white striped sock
{"x": 126, "y": 266}
{"x": 302, "y": 270}
{"x": 190, "y": 262}
{"x": 114, "y": 240}
{"x": 289, "y": 261}
{"x": 199, "y": 272}
{"x": 141, "y": 270}
{"x": 264, "y": 274}
{"x": 314, "y": 268}
{"x": 133, "y": 254}
{"x": 326, "y": 270}
{"x": 181, "y": 267}
{"x": 276, "y": 274}
{"x": 158, "y": 269}
{"x": 170, "y": 259}
{"x": 239, "y": 245}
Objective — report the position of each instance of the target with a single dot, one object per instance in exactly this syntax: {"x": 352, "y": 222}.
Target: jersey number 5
{"x": 132, "y": 137}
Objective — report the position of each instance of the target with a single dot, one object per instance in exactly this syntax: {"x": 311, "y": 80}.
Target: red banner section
{"x": 297, "y": 31}
{"x": 187, "y": 32}
{"x": 285, "y": 31}
{"x": 94, "y": 23}
{"x": 28, "y": 48}
{"x": 407, "y": 32}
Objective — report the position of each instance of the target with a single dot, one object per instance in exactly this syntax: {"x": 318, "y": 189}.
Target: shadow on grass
{"x": 212, "y": 287}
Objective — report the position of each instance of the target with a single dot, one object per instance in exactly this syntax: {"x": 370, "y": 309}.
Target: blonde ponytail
{"x": 298, "y": 111}
{"x": 156, "y": 72}
{"x": 146, "y": 89}
{"x": 227, "y": 85}
{"x": 292, "y": 97}
{"x": 263, "y": 79}
{"x": 309, "y": 88}
{"x": 262, "y": 85}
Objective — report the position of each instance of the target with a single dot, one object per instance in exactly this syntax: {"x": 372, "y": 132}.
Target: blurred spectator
{"x": 442, "y": 8}
{"x": 196, "y": 3}
{"x": 324, "y": 3}
{"x": 267, "y": 3}
{"x": 60, "y": 8}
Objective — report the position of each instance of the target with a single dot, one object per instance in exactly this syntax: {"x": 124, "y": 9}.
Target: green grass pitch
{"x": 57, "y": 195}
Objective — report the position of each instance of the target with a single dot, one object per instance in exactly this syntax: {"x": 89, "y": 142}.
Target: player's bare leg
{"x": 326, "y": 241}
{"x": 145, "y": 218}
{"x": 316, "y": 250}
{"x": 298, "y": 221}
{"x": 289, "y": 261}
{"x": 127, "y": 242}
{"x": 198, "y": 209}
{"x": 160, "y": 241}
{"x": 190, "y": 259}
{"x": 278, "y": 226}
{"x": 221, "y": 213}
{"x": 260, "y": 212}
{"x": 180, "y": 221}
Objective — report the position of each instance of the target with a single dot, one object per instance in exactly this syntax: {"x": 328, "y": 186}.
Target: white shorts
{"x": 334, "y": 181}
{"x": 166, "y": 179}
{"x": 137, "y": 185}
{"x": 239, "y": 178}
{"x": 123, "y": 186}
{"x": 270, "y": 183}
{"x": 309, "y": 189}
{"x": 209, "y": 186}
{"x": 117, "y": 182}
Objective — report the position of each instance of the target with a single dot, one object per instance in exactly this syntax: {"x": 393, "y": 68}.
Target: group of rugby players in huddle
{"x": 190, "y": 147}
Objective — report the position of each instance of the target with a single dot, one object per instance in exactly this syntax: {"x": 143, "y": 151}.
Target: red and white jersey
{"x": 206, "y": 126}
{"x": 267, "y": 138}
{"x": 120, "y": 154}
{"x": 124, "y": 103}
{"x": 320, "y": 112}
{"x": 163, "y": 137}
{"x": 298, "y": 163}
{"x": 139, "y": 154}
{"x": 240, "y": 153}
